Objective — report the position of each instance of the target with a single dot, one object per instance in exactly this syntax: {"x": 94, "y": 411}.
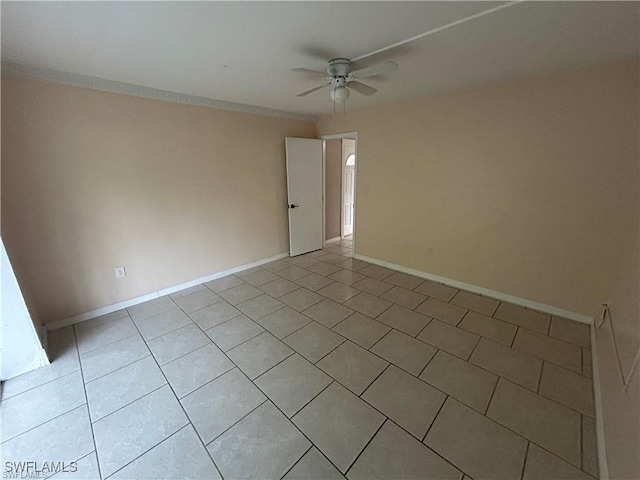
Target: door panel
{"x": 304, "y": 187}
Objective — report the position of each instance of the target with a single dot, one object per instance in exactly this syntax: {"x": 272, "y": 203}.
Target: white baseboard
{"x": 158, "y": 293}
{"x": 332, "y": 240}
{"x": 603, "y": 467}
{"x": 482, "y": 291}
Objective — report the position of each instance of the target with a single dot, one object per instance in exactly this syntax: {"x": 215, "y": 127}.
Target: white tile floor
{"x": 319, "y": 366}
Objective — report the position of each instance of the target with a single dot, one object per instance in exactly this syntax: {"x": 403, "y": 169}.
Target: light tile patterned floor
{"x": 319, "y": 366}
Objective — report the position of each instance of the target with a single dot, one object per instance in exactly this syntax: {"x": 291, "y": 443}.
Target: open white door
{"x": 304, "y": 187}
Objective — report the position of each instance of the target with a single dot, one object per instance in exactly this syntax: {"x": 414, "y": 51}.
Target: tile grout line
{"x": 387, "y": 418}
{"x": 166, "y": 333}
{"x": 436, "y": 417}
{"x": 3, "y": 398}
{"x": 244, "y": 341}
{"x": 184, "y": 354}
{"x": 293, "y": 352}
{"x": 423, "y": 328}
{"x": 123, "y": 406}
{"x": 176, "y": 396}
{"x": 355, "y": 460}
{"x": 434, "y": 421}
{"x": 45, "y": 422}
{"x": 147, "y": 451}
{"x": 474, "y": 348}
{"x": 290, "y": 420}
{"x": 86, "y": 399}
{"x": 513, "y": 340}
{"x": 524, "y": 463}
{"x": 330, "y": 352}
{"x": 516, "y": 433}
{"x": 312, "y": 399}
{"x": 563, "y": 460}
{"x": 495, "y": 386}
{"x": 119, "y": 368}
{"x": 78, "y": 460}
{"x": 427, "y": 364}
{"x": 390, "y": 363}
{"x": 90, "y": 327}
{"x": 391, "y": 329}
{"x": 434, "y": 451}
{"x": 311, "y": 447}
{"x": 372, "y": 382}
{"x": 205, "y": 290}
{"x": 478, "y": 341}
{"x": 540, "y": 377}
{"x": 241, "y": 343}
{"x": 106, "y": 344}
{"x": 266, "y": 400}
{"x": 207, "y": 383}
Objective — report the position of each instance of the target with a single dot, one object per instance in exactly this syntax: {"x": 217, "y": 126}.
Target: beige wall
{"x": 333, "y": 186}
{"x": 94, "y": 180}
{"x": 530, "y": 188}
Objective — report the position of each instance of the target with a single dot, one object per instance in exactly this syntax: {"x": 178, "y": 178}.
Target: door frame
{"x": 335, "y": 136}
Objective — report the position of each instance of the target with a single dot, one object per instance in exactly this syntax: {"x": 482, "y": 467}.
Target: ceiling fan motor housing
{"x": 339, "y": 67}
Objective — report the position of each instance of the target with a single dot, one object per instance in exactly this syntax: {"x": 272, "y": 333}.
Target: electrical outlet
{"x": 120, "y": 272}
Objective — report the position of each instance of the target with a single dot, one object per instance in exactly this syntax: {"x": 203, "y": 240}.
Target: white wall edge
{"x": 65, "y": 322}
{"x": 332, "y": 240}
{"x": 603, "y": 468}
{"x": 22, "y": 346}
{"x": 482, "y": 291}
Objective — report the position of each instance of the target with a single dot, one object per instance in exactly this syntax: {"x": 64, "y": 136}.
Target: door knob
{"x": 293, "y": 206}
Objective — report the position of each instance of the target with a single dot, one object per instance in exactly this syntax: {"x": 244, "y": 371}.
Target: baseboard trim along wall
{"x": 602, "y": 458}
{"x": 482, "y": 291}
{"x": 332, "y": 240}
{"x": 65, "y": 322}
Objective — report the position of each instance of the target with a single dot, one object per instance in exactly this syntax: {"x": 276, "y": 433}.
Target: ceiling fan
{"x": 341, "y": 78}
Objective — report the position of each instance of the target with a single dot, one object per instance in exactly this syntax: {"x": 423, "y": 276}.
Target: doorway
{"x": 348, "y": 187}
{"x": 340, "y": 181}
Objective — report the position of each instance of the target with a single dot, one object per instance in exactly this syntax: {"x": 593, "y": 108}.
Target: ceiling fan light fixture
{"x": 340, "y": 94}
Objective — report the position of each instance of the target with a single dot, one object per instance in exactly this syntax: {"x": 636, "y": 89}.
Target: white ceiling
{"x": 242, "y": 51}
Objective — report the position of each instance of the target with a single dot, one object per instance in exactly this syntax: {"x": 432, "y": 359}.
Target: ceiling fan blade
{"x": 317, "y": 53}
{"x": 311, "y": 72}
{"x": 361, "y": 88}
{"x": 378, "y": 69}
{"x": 312, "y": 90}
